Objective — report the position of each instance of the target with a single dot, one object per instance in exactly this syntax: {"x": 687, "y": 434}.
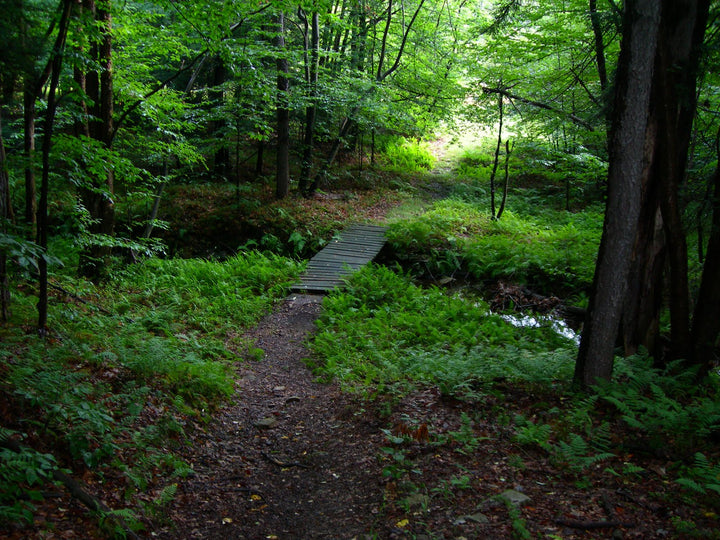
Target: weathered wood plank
{"x": 354, "y": 248}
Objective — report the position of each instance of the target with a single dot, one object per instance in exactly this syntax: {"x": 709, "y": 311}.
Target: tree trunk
{"x": 506, "y": 182}
{"x": 282, "y": 181}
{"x": 310, "y": 112}
{"x": 627, "y": 154}
{"x": 661, "y": 236}
{"x": 706, "y": 317}
{"x": 497, "y": 157}
{"x": 29, "y": 154}
{"x": 676, "y": 68}
{"x": 56, "y": 61}
{"x": 599, "y": 46}
{"x": 4, "y": 218}
{"x": 98, "y": 199}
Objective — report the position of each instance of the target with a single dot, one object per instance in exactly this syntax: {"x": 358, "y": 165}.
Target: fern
{"x": 529, "y": 433}
{"x": 663, "y": 406}
{"x": 703, "y": 476}
{"x": 578, "y": 454}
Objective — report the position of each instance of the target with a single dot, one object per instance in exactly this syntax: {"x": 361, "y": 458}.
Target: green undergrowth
{"x": 385, "y": 331}
{"x": 551, "y": 250}
{"x": 128, "y": 370}
{"x": 385, "y": 337}
{"x": 408, "y": 156}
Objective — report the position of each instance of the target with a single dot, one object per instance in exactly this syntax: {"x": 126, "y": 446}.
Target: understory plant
{"x": 385, "y": 330}
{"x": 129, "y": 368}
{"x": 552, "y": 250}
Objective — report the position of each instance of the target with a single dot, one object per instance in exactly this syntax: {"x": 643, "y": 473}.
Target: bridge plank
{"x": 351, "y": 250}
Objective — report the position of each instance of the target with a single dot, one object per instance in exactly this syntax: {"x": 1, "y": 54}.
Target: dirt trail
{"x": 293, "y": 458}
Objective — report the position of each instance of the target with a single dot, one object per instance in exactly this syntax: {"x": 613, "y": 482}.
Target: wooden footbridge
{"x": 354, "y": 248}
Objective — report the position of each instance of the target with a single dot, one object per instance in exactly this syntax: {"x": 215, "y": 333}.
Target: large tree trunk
{"x": 282, "y": 172}
{"x": 627, "y": 154}
{"x": 661, "y": 237}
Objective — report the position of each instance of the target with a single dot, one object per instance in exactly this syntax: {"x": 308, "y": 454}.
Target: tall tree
{"x": 312, "y": 63}
{"x": 381, "y": 74}
{"x": 627, "y": 157}
{"x": 55, "y": 62}
{"x": 649, "y": 206}
{"x": 661, "y": 240}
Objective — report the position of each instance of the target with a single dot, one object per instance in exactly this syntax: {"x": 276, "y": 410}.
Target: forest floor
{"x": 290, "y": 457}
{"x": 293, "y": 458}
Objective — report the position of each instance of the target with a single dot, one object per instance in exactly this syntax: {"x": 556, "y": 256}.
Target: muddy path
{"x": 291, "y": 458}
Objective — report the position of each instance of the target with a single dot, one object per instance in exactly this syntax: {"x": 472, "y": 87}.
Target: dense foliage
{"x": 133, "y": 365}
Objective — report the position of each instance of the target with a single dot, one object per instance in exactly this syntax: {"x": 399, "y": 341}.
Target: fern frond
{"x": 691, "y": 485}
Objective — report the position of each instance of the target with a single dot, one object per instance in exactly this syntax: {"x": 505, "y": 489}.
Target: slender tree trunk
{"x": 310, "y": 111}
{"x": 42, "y": 219}
{"x": 4, "y": 218}
{"x": 29, "y": 154}
{"x": 497, "y": 157}
{"x": 282, "y": 183}
{"x": 599, "y": 45}
{"x": 506, "y": 182}
{"x": 627, "y": 154}
{"x": 260, "y": 161}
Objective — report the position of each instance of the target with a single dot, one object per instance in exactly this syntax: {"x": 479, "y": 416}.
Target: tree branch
{"x": 539, "y": 105}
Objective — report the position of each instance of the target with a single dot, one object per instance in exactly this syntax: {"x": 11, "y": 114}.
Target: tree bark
{"x": 282, "y": 182}
{"x": 497, "y": 157}
{"x": 627, "y": 155}
{"x": 661, "y": 240}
